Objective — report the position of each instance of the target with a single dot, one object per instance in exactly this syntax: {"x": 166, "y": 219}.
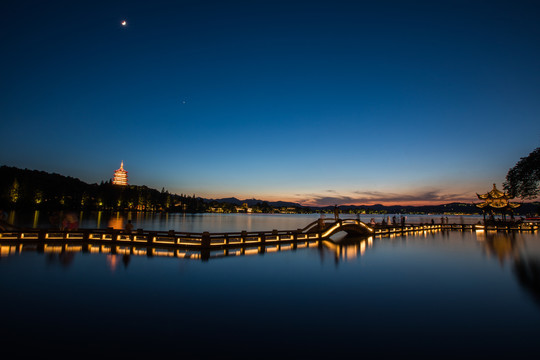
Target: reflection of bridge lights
{"x": 351, "y": 252}
{"x": 139, "y": 251}
{"x": 162, "y": 252}
{"x": 73, "y": 248}
{"x": 251, "y": 251}
{"x": 52, "y": 249}
{"x": 121, "y": 250}
{"x": 7, "y": 250}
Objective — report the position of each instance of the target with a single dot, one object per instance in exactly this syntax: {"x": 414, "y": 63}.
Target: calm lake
{"x": 426, "y": 295}
{"x": 210, "y": 222}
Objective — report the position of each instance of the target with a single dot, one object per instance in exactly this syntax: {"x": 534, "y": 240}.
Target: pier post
{"x": 205, "y": 240}
{"x": 150, "y": 237}
{"x": 275, "y": 233}
{"x": 171, "y": 234}
{"x": 205, "y": 246}
{"x": 243, "y": 235}
{"x": 295, "y": 238}
{"x": 262, "y": 236}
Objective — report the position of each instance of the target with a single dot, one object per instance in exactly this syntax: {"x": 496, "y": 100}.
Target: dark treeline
{"x": 32, "y": 189}
{"x": 38, "y": 190}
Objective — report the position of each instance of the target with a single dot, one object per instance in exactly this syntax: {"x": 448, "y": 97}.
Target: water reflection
{"x": 519, "y": 250}
{"x": 64, "y": 258}
{"x": 113, "y": 261}
{"x": 201, "y": 222}
{"x": 527, "y": 271}
{"x": 347, "y": 248}
{"x": 503, "y": 246}
{"x": 116, "y": 223}
{"x": 525, "y": 259}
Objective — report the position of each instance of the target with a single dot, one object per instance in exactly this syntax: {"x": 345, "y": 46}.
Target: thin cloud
{"x": 376, "y": 197}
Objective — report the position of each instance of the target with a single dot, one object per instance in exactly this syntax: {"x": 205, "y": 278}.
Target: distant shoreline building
{"x": 120, "y": 176}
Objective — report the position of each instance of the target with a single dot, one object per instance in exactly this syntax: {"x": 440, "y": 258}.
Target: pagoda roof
{"x": 493, "y": 194}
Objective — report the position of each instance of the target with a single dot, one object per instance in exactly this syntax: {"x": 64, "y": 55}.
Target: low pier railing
{"x": 171, "y": 237}
{"x": 317, "y": 230}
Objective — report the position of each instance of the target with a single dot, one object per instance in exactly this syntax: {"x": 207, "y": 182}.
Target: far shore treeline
{"x": 32, "y": 189}
{"x": 23, "y": 189}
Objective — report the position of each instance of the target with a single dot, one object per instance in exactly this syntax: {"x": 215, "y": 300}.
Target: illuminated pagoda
{"x": 496, "y": 201}
{"x": 120, "y": 176}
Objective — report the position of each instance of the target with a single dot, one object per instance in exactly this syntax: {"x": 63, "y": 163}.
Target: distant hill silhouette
{"x": 252, "y": 202}
{"x": 33, "y": 189}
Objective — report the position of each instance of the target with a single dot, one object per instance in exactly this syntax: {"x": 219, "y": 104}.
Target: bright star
{"x": 124, "y": 22}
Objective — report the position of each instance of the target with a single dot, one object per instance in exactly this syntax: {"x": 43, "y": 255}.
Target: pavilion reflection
{"x": 503, "y": 246}
{"x": 524, "y": 260}
{"x": 527, "y": 271}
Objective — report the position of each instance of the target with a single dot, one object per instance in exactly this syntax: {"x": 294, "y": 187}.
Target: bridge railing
{"x": 206, "y": 239}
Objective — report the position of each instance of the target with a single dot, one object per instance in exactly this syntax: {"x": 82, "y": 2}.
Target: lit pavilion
{"x": 496, "y": 201}
{"x": 120, "y": 176}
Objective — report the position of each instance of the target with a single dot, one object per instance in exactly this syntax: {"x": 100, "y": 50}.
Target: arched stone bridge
{"x": 329, "y": 227}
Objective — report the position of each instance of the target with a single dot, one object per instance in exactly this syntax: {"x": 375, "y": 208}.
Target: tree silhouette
{"x": 31, "y": 189}
{"x": 523, "y": 180}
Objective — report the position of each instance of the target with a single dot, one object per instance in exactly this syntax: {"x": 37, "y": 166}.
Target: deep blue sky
{"x": 319, "y": 102}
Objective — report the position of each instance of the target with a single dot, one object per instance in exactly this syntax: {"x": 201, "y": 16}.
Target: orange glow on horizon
{"x": 348, "y": 199}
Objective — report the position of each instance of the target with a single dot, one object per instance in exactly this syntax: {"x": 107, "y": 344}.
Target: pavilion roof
{"x": 496, "y": 199}
{"x": 493, "y": 194}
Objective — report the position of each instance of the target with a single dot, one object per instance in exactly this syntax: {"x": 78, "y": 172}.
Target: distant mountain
{"x": 464, "y": 208}
{"x": 284, "y": 203}
{"x": 251, "y": 202}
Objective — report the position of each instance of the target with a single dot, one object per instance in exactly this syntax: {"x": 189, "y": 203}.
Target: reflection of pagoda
{"x": 120, "y": 176}
{"x": 496, "y": 201}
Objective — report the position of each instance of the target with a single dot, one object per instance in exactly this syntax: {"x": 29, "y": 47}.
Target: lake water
{"x": 426, "y": 295}
{"x": 213, "y": 222}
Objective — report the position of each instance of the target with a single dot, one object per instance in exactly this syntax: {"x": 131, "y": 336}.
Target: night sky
{"x": 317, "y": 102}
